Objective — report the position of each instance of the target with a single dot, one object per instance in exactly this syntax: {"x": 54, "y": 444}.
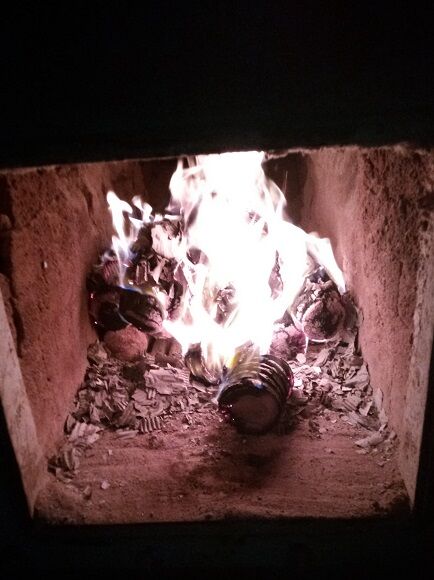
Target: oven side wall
{"x": 18, "y": 414}
{"x": 57, "y": 223}
{"x": 375, "y": 205}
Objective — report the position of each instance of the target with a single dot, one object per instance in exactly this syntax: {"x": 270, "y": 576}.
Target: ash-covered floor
{"x": 332, "y": 453}
{"x": 207, "y": 471}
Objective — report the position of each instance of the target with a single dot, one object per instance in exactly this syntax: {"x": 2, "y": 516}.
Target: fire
{"x": 249, "y": 261}
{"x": 122, "y": 242}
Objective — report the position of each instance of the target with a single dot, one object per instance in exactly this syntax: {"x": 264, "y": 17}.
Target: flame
{"x": 122, "y": 241}
{"x": 234, "y": 220}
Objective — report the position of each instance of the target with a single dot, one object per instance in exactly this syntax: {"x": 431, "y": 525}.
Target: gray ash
{"x": 147, "y": 395}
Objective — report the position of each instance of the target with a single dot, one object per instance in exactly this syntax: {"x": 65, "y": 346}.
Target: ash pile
{"x": 137, "y": 380}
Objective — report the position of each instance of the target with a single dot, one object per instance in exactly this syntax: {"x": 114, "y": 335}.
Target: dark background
{"x": 88, "y": 82}
{"x": 95, "y": 82}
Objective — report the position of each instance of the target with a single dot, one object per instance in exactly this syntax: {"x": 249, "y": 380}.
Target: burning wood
{"x": 145, "y": 289}
{"x": 198, "y": 368}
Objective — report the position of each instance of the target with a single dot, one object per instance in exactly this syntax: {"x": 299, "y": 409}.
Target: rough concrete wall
{"x": 18, "y": 414}
{"x": 374, "y": 205}
{"x": 59, "y": 223}
{"x": 416, "y": 399}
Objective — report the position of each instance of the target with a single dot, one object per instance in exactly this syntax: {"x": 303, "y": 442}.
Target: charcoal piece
{"x": 144, "y": 275}
{"x": 196, "y": 256}
{"x": 319, "y": 276}
{"x": 225, "y": 304}
{"x": 166, "y": 278}
{"x": 104, "y": 310}
{"x": 176, "y": 293}
{"x": 288, "y": 343}
{"x": 324, "y": 318}
{"x": 319, "y": 310}
{"x": 275, "y": 281}
{"x": 166, "y": 237}
{"x": 197, "y": 366}
{"x": 140, "y": 274}
{"x": 133, "y": 372}
{"x": 142, "y": 310}
{"x": 143, "y": 243}
{"x": 167, "y": 359}
{"x": 105, "y": 274}
{"x": 253, "y": 399}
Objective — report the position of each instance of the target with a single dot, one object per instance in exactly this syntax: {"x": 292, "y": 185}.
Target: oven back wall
{"x": 60, "y": 223}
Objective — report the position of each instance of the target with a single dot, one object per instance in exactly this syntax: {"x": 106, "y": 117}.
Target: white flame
{"x": 234, "y": 215}
{"x": 122, "y": 241}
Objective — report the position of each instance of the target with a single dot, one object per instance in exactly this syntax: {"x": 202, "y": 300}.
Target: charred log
{"x": 104, "y": 310}
{"x": 143, "y": 244}
{"x": 105, "y": 274}
{"x": 254, "y": 393}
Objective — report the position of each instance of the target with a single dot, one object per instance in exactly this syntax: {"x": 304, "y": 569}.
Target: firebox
{"x": 132, "y": 366}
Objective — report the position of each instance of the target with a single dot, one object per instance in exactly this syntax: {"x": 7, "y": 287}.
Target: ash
{"x": 151, "y": 394}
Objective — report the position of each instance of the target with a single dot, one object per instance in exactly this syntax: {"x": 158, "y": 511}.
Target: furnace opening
{"x": 222, "y": 336}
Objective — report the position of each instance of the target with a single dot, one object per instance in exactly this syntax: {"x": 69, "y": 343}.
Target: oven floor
{"x": 208, "y": 471}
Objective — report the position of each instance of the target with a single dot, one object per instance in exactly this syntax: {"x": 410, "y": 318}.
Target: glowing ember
{"x": 242, "y": 261}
